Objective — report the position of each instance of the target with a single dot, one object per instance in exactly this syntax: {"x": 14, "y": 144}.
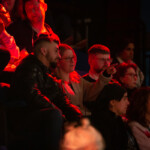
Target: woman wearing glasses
{"x": 78, "y": 89}
{"x": 126, "y": 74}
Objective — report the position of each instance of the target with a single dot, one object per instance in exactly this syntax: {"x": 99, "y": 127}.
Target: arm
{"x": 92, "y": 90}
{"x": 8, "y": 42}
{"x": 142, "y": 140}
{"x": 25, "y": 88}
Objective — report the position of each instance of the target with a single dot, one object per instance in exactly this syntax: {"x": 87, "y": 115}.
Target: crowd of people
{"x": 46, "y": 105}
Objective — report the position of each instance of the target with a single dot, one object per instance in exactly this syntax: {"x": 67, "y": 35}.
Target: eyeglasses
{"x": 68, "y": 59}
{"x": 131, "y": 74}
{"x": 102, "y": 60}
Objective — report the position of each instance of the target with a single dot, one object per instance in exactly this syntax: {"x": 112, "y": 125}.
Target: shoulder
{"x": 28, "y": 64}
{"x": 75, "y": 77}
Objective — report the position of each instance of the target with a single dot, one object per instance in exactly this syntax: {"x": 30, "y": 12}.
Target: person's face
{"x": 128, "y": 53}
{"x": 68, "y": 61}
{"x": 120, "y": 107}
{"x": 52, "y": 53}
{"x": 35, "y": 10}
{"x": 99, "y": 62}
{"x": 129, "y": 79}
{"x": 8, "y": 4}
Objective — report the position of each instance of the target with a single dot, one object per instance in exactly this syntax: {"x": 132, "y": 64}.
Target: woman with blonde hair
{"x": 78, "y": 89}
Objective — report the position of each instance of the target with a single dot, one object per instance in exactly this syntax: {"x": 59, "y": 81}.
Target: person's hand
{"x": 2, "y": 26}
{"x": 111, "y": 69}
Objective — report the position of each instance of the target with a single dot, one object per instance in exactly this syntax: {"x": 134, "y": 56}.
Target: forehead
{"x": 68, "y": 52}
{"x": 30, "y": 2}
{"x": 98, "y": 55}
{"x": 130, "y": 45}
{"x": 130, "y": 70}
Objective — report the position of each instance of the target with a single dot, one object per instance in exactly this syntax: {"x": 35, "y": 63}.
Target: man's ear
{"x": 112, "y": 102}
{"x": 89, "y": 59}
{"x": 43, "y": 51}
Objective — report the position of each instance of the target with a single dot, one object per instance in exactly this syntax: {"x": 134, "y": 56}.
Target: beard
{"x": 53, "y": 65}
{"x": 98, "y": 70}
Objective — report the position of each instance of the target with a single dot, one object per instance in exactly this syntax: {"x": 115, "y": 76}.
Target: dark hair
{"x": 21, "y": 9}
{"x": 98, "y": 48}
{"x": 17, "y": 10}
{"x": 63, "y": 47}
{"x": 137, "y": 109}
{"x": 122, "y": 44}
{"x": 122, "y": 69}
{"x": 45, "y": 38}
{"x": 112, "y": 91}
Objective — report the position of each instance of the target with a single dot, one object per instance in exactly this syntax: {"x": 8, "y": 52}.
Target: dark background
{"x": 103, "y": 22}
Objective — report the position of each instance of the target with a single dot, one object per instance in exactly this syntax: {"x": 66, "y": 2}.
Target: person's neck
{"x": 38, "y": 27}
{"x": 63, "y": 75}
{"x": 93, "y": 74}
{"x": 127, "y": 61}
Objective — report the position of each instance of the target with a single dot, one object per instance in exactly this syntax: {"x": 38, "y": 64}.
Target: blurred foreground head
{"x": 83, "y": 137}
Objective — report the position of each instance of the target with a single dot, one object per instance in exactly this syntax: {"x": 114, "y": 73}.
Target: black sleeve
{"x": 25, "y": 87}
{"x": 70, "y": 111}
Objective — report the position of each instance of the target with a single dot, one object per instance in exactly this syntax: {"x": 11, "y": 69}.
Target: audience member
{"x": 38, "y": 92}
{"x": 106, "y": 116}
{"x": 139, "y": 117}
{"x": 99, "y": 59}
{"x": 8, "y": 44}
{"x": 6, "y": 40}
{"x": 83, "y": 136}
{"x": 125, "y": 53}
{"x": 126, "y": 75}
{"x": 78, "y": 89}
{"x": 31, "y": 24}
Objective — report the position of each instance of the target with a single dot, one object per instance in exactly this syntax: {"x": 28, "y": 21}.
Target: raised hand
{"x": 111, "y": 69}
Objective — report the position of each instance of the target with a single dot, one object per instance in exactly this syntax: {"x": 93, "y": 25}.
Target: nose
{"x": 59, "y": 56}
{"x": 135, "y": 77}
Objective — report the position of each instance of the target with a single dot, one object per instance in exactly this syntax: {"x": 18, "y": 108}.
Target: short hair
{"x": 98, "y": 48}
{"x": 122, "y": 68}
{"x": 63, "y": 47}
{"x": 137, "y": 108}
{"x": 122, "y": 44}
{"x": 111, "y": 91}
{"x": 45, "y": 38}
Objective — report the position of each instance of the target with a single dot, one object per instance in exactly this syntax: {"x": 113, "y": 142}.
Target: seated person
{"x": 84, "y": 137}
{"x": 78, "y": 89}
{"x": 30, "y": 25}
{"x": 6, "y": 40}
{"x": 35, "y": 94}
{"x": 98, "y": 58}
{"x": 139, "y": 117}
{"x": 126, "y": 75}
{"x": 125, "y": 53}
{"x": 111, "y": 104}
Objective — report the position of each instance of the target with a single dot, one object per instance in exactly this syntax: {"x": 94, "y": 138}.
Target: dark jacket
{"x": 112, "y": 129}
{"x": 36, "y": 88}
{"x": 24, "y": 34}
